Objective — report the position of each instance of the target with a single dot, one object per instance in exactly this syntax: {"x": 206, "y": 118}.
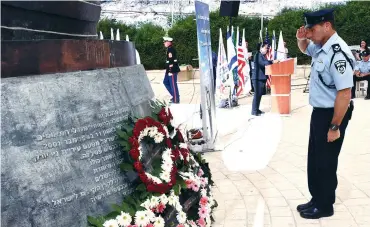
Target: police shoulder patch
{"x": 341, "y": 66}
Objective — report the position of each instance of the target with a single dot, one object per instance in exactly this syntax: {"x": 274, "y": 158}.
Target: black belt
{"x": 323, "y": 109}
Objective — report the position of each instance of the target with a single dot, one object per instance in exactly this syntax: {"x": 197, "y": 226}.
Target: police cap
{"x": 167, "y": 39}
{"x": 317, "y": 17}
{"x": 365, "y": 53}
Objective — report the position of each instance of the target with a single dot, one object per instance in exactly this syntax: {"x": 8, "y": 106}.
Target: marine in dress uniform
{"x": 172, "y": 69}
{"x": 330, "y": 96}
{"x": 362, "y": 72}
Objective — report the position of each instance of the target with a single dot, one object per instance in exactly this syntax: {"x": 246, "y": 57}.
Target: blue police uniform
{"x": 362, "y": 67}
{"x": 331, "y": 71}
{"x": 172, "y": 69}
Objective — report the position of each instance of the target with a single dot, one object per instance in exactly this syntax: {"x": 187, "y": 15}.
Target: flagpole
{"x": 262, "y": 17}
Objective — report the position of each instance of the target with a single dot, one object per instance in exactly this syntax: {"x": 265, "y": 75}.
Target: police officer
{"x": 362, "y": 72}
{"x": 330, "y": 96}
{"x": 172, "y": 69}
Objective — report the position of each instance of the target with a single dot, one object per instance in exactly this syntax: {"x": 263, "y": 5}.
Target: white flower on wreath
{"x": 150, "y": 215}
{"x": 154, "y": 201}
{"x": 165, "y": 176}
{"x": 141, "y": 218}
{"x": 163, "y": 199}
{"x": 153, "y": 178}
{"x": 203, "y": 192}
{"x": 158, "y": 222}
{"x": 111, "y": 223}
{"x": 146, "y": 204}
{"x": 153, "y": 133}
{"x": 181, "y": 217}
{"x": 208, "y": 221}
{"x": 158, "y": 138}
{"x": 124, "y": 219}
{"x": 183, "y": 145}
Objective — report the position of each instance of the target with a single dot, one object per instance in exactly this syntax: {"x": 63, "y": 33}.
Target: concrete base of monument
{"x": 59, "y": 156}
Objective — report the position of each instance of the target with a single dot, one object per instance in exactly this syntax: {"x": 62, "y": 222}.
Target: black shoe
{"x": 256, "y": 114}
{"x": 260, "y": 112}
{"x": 367, "y": 97}
{"x": 305, "y": 206}
{"x": 315, "y": 213}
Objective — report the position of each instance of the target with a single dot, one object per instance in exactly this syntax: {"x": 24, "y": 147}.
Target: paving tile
{"x": 357, "y": 202}
{"x": 235, "y": 204}
{"x": 263, "y": 184}
{"x": 234, "y": 223}
{"x": 236, "y": 214}
{"x": 282, "y": 222}
{"x": 284, "y": 185}
{"x": 276, "y": 202}
{"x": 281, "y": 212}
{"x": 250, "y": 191}
{"x": 235, "y": 176}
{"x": 270, "y": 192}
{"x": 259, "y": 220}
{"x": 292, "y": 194}
{"x": 337, "y": 223}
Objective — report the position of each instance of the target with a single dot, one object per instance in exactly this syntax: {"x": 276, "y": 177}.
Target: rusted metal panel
{"x": 20, "y": 58}
{"x": 84, "y": 55}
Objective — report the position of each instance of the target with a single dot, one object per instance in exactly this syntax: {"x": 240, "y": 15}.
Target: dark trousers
{"x": 322, "y": 161}
{"x": 259, "y": 88}
{"x": 355, "y": 78}
{"x": 170, "y": 82}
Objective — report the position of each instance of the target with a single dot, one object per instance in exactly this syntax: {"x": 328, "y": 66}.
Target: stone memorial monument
{"x": 61, "y": 103}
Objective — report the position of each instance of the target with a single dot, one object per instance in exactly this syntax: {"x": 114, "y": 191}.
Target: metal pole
{"x": 262, "y": 16}
{"x": 173, "y": 1}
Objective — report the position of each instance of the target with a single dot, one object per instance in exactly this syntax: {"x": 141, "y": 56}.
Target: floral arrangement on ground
{"x": 173, "y": 183}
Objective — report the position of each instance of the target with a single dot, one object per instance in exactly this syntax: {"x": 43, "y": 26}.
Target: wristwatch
{"x": 334, "y": 127}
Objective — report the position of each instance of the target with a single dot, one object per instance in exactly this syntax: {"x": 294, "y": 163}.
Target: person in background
{"x": 362, "y": 72}
{"x": 363, "y": 47}
{"x": 286, "y": 51}
{"x": 259, "y": 78}
{"x": 172, "y": 69}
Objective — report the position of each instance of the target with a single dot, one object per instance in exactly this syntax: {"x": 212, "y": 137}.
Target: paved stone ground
{"x": 266, "y": 194}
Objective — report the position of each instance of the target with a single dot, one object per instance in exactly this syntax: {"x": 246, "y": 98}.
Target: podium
{"x": 281, "y": 86}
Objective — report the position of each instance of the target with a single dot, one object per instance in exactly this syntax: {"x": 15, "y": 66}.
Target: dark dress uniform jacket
{"x": 172, "y": 65}
{"x": 260, "y": 62}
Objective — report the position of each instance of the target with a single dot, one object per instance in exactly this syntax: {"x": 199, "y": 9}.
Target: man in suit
{"x": 259, "y": 78}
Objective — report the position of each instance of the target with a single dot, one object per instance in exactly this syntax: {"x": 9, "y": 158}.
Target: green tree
{"x": 149, "y": 43}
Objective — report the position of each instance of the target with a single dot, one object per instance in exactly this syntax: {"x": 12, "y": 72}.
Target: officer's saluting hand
{"x": 330, "y": 96}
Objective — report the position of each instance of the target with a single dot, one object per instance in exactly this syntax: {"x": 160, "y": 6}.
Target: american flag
{"x": 241, "y": 64}
{"x": 269, "y": 56}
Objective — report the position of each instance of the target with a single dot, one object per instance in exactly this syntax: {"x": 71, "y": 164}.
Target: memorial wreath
{"x": 174, "y": 183}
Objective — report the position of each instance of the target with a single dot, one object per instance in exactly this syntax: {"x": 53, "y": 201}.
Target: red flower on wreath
{"x": 138, "y": 167}
{"x": 180, "y": 138}
{"x": 165, "y": 117}
{"x": 169, "y": 143}
{"x": 134, "y": 152}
